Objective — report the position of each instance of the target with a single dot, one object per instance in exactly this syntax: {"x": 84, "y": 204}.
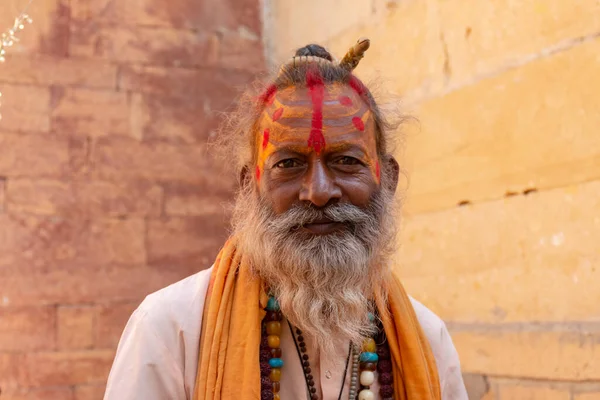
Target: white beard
{"x": 324, "y": 284}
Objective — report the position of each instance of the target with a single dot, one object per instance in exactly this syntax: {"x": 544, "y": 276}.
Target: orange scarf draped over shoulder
{"x": 228, "y": 366}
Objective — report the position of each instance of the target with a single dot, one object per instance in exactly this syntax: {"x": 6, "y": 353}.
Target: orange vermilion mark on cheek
{"x": 277, "y": 114}
{"x": 345, "y": 101}
{"x": 265, "y": 138}
{"x": 314, "y": 81}
{"x": 358, "y": 123}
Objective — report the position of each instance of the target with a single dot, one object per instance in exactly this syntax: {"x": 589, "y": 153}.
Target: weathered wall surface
{"x": 501, "y": 228}
{"x": 107, "y": 192}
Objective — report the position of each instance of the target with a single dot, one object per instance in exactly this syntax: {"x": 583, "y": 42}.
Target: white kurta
{"x": 157, "y": 357}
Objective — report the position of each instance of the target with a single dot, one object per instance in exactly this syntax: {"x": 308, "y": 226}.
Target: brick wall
{"x": 502, "y": 220}
{"x": 107, "y": 190}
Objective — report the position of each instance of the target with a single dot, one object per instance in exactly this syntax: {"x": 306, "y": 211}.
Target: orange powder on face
{"x": 342, "y": 117}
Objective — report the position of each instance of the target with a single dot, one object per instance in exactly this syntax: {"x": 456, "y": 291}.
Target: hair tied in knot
{"x": 355, "y": 54}
{"x": 297, "y": 61}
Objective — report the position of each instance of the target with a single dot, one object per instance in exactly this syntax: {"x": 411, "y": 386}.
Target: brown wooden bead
{"x": 276, "y": 396}
{"x": 274, "y": 316}
{"x": 276, "y": 387}
{"x": 305, "y": 364}
{"x": 276, "y": 352}
{"x": 368, "y": 366}
{"x": 305, "y": 357}
{"x": 314, "y": 397}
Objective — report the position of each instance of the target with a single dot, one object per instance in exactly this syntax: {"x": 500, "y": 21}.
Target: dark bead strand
{"x": 266, "y": 386}
{"x": 306, "y": 366}
{"x": 384, "y": 367}
{"x": 386, "y": 391}
{"x": 383, "y": 352}
{"x": 385, "y": 378}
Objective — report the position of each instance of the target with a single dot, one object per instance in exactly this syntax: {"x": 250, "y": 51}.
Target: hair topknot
{"x": 314, "y": 50}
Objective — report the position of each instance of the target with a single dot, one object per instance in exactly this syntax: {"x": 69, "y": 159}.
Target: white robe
{"x": 157, "y": 357}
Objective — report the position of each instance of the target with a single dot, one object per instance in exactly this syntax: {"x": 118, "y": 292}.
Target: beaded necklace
{"x": 310, "y": 383}
{"x": 374, "y": 356}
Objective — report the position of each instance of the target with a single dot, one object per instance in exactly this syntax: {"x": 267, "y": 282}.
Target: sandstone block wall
{"x": 501, "y": 226}
{"x": 107, "y": 190}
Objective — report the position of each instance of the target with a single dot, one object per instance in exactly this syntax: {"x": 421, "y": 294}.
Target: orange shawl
{"x": 229, "y": 346}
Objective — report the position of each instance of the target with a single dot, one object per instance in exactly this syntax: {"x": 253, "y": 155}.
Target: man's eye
{"x": 347, "y": 160}
{"x": 288, "y": 163}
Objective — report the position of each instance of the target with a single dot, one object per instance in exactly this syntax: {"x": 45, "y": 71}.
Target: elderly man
{"x": 301, "y": 302}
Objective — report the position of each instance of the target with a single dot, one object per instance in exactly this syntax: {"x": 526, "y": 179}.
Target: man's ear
{"x": 394, "y": 171}
{"x": 244, "y": 178}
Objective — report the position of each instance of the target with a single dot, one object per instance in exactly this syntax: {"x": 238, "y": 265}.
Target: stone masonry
{"x": 107, "y": 189}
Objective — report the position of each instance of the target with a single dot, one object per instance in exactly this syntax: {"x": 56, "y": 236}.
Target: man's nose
{"x": 319, "y": 186}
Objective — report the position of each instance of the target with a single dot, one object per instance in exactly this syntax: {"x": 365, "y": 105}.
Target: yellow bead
{"x": 274, "y": 328}
{"x": 275, "y": 375}
{"x": 369, "y": 345}
{"x": 276, "y": 396}
{"x": 273, "y": 341}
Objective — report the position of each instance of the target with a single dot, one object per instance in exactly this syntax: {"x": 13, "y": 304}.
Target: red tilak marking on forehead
{"x": 345, "y": 101}
{"x": 358, "y": 123}
{"x": 357, "y": 85}
{"x": 265, "y": 138}
{"x": 277, "y": 114}
{"x": 257, "y": 173}
{"x": 314, "y": 81}
{"x": 268, "y": 95}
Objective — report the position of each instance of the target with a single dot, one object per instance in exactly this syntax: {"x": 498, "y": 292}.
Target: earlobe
{"x": 394, "y": 171}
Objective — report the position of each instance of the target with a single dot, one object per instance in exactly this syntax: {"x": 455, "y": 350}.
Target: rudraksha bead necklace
{"x": 374, "y": 356}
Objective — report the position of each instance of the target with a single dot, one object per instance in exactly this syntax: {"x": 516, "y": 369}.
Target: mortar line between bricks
{"x": 547, "y": 52}
{"x": 500, "y": 198}
{"x": 576, "y": 327}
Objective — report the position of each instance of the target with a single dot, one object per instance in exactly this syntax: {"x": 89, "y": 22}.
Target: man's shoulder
{"x": 434, "y": 328}
{"x": 446, "y": 357}
{"x": 427, "y": 318}
{"x": 175, "y": 303}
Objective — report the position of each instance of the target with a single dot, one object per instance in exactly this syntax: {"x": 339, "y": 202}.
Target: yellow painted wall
{"x": 501, "y": 228}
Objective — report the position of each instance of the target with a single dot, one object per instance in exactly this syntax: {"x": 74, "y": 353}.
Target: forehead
{"x": 340, "y": 113}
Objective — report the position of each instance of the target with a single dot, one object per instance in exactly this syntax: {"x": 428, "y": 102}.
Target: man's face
{"x": 318, "y": 226}
{"x": 297, "y": 165}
